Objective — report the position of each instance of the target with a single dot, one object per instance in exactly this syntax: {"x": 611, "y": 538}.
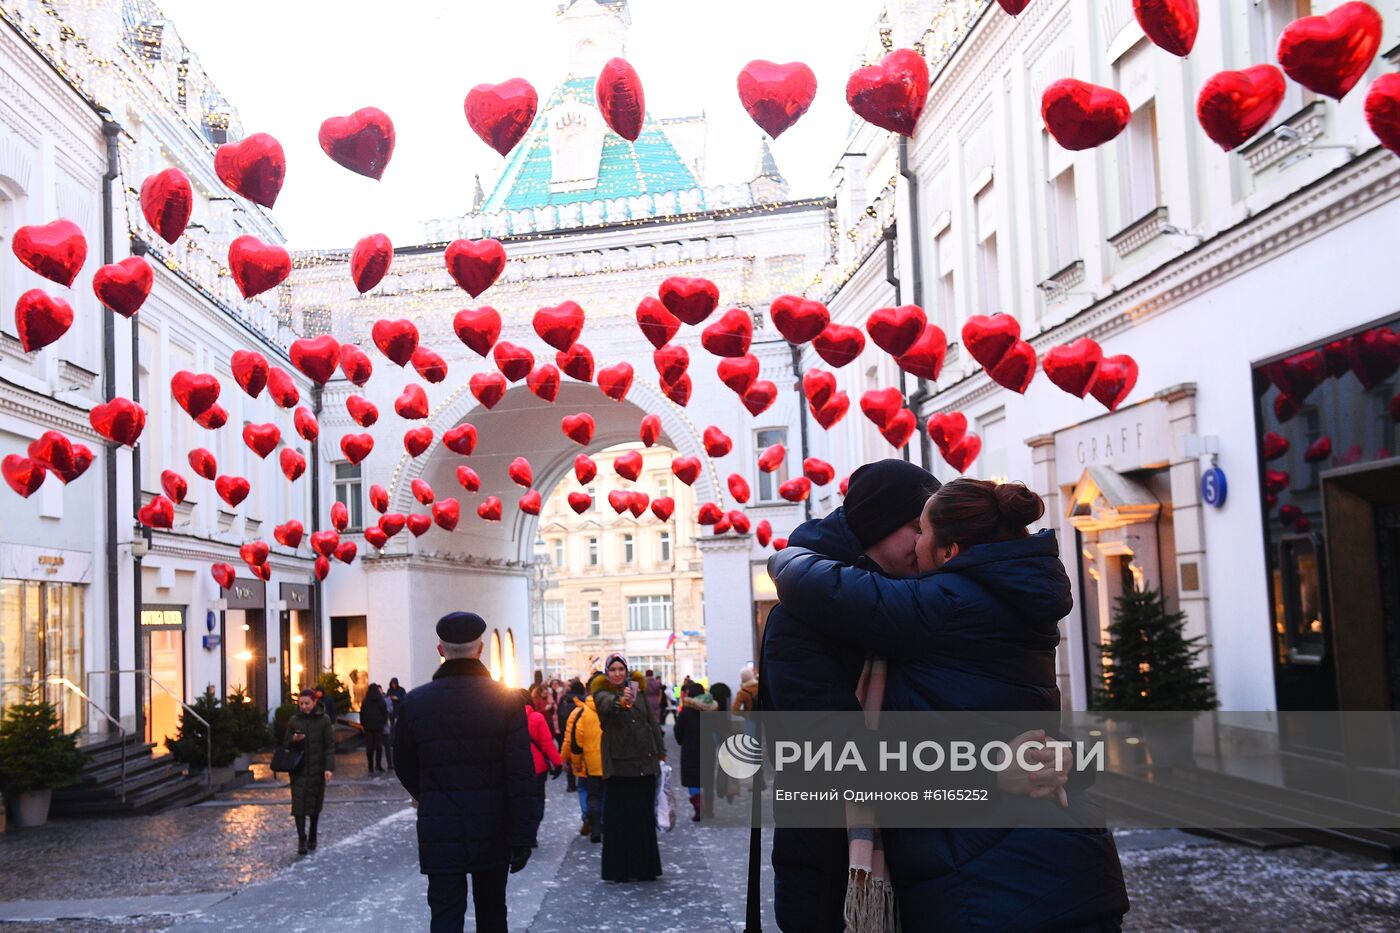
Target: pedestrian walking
{"x": 326, "y": 703}
{"x": 664, "y": 704}
{"x": 394, "y": 697}
{"x": 689, "y": 735}
{"x": 462, "y": 747}
{"x": 746, "y": 700}
{"x": 633, "y": 749}
{"x": 310, "y": 732}
{"x": 583, "y": 737}
{"x": 716, "y": 783}
{"x": 374, "y": 719}
{"x": 654, "y": 689}
{"x": 542, "y": 747}
{"x": 570, "y": 702}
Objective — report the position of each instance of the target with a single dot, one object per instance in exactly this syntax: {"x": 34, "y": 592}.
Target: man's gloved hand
{"x": 555, "y": 771}
{"x": 519, "y": 855}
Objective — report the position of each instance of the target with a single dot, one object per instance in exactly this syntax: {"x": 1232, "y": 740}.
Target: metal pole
{"x": 916, "y": 288}
{"x": 802, "y": 416}
{"x": 110, "y": 129}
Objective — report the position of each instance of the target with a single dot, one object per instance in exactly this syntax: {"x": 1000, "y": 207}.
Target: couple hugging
{"x": 920, "y": 597}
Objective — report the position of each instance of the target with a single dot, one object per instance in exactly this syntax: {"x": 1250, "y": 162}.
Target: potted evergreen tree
{"x": 189, "y": 745}
{"x": 36, "y": 756}
{"x": 249, "y": 726}
{"x": 1150, "y": 666}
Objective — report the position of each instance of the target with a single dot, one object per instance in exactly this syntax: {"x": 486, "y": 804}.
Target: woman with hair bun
{"x": 977, "y": 629}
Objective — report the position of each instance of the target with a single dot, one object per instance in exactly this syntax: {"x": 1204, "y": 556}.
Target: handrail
{"x": 208, "y": 730}
{"x": 65, "y": 682}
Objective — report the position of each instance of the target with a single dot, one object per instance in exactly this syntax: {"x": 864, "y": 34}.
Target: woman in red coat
{"x": 546, "y": 754}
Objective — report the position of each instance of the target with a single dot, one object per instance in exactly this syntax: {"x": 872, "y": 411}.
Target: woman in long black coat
{"x": 633, "y": 748}
{"x": 310, "y": 732}
{"x": 374, "y": 717}
{"x": 690, "y": 736}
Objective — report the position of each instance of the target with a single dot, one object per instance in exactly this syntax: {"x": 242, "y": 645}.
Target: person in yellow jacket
{"x": 582, "y": 749}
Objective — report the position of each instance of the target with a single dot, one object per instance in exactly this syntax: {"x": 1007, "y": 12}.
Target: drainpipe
{"x": 318, "y": 643}
{"x": 892, "y": 279}
{"x": 802, "y": 414}
{"x": 110, "y": 130}
{"x": 138, "y": 248}
{"x": 916, "y": 288}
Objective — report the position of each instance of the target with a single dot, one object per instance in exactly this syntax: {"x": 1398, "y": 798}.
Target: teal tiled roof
{"x": 651, "y": 165}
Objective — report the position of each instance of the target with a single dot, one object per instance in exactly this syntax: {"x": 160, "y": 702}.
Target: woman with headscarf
{"x": 633, "y": 749}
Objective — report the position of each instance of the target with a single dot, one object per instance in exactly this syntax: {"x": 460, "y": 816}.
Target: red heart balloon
{"x": 174, "y": 486}
{"x": 892, "y": 94}
{"x": 880, "y": 405}
{"x": 422, "y": 491}
{"x": 262, "y": 439}
{"x": 620, "y": 500}
{"x": 818, "y": 385}
{"x": 391, "y": 523}
{"x": 488, "y": 388}
{"x": 560, "y": 325}
{"x": 223, "y": 574}
{"x": 306, "y": 425}
{"x": 543, "y": 381}
{"x": 678, "y": 391}
{"x": 709, "y": 514}
{"x": 521, "y": 473}
{"x": 738, "y": 373}
{"x": 1318, "y": 450}
{"x": 1276, "y": 480}
{"x": 362, "y": 142}
{"x": 738, "y": 487}
{"x": 776, "y": 96}
{"x": 738, "y": 521}
{"x": 203, "y": 464}
{"x": 475, "y": 264}
{"x": 1170, "y": 24}
{"x": 763, "y": 533}
{"x": 839, "y": 344}
{"x": 250, "y": 371}
{"x": 798, "y": 319}
{"x": 213, "y": 419}
{"x": 779, "y": 543}
{"x": 1014, "y": 7}
{"x": 376, "y": 538}
{"x": 322, "y": 568}
{"x": 362, "y": 411}
{"x": 796, "y": 489}
{"x": 124, "y": 286}
{"x": 158, "y": 513}
{"x": 490, "y": 509}
{"x": 447, "y": 513}
{"x": 771, "y": 458}
{"x": 254, "y": 167}
{"x": 370, "y": 261}
{"x": 663, "y": 508}
{"x": 618, "y": 91}
{"x": 629, "y": 465}
{"x": 987, "y": 338}
{"x": 578, "y": 428}
{"x": 671, "y": 362}
{"x": 232, "y": 489}
{"x": 1374, "y": 356}
{"x": 196, "y": 393}
{"x": 40, "y": 319}
{"x": 167, "y": 201}
{"x": 1289, "y": 514}
{"x": 55, "y": 250}
{"x": 1016, "y": 369}
{"x": 730, "y": 336}
{"x": 325, "y": 542}
{"x": 1383, "y": 111}
{"x": 1298, "y": 375}
{"x": 960, "y": 455}
{"x": 1081, "y": 115}
{"x": 900, "y": 428}
{"x": 419, "y": 524}
{"x": 531, "y": 502}
{"x": 292, "y": 462}
{"x": 615, "y": 380}
{"x": 925, "y": 357}
{"x": 690, "y": 300}
{"x": 355, "y": 364}
{"x": 833, "y": 411}
{"x": 121, "y": 420}
{"x": 289, "y": 534}
{"x": 461, "y": 439}
{"x": 255, "y": 553}
{"x": 1234, "y": 105}
{"x": 650, "y": 430}
{"x": 1285, "y": 408}
{"x": 395, "y": 339}
{"x": 895, "y": 330}
{"x": 946, "y": 428}
{"x": 514, "y": 362}
{"x": 585, "y": 469}
{"x": 430, "y": 365}
{"x": 686, "y": 469}
{"x": 417, "y": 440}
{"x": 818, "y": 471}
{"x": 1116, "y": 378}
{"x": 577, "y": 362}
{"x": 1329, "y": 54}
{"x": 317, "y": 357}
{"x": 1073, "y": 367}
{"x": 760, "y": 397}
{"x": 501, "y": 113}
{"x": 356, "y": 447}
{"x": 580, "y": 502}
{"x": 1273, "y": 446}
{"x": 412, "y": 403}
{"x": 24, "y": 474}
{"x": 379, "y": 498}
{"x": 478, "y": 328}
{"x": 717, "y": 443}
{"x": 658, "y": 325}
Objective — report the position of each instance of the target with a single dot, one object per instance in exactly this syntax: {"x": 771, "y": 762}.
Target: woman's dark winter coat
{"x": 979, "y": 633}
{"x": 462, "y": 749}
{"x": 633, "y": 744}
{"x": 374, "y": 713}
{"x": 317, "y": 757}
{"x": 690, "y": 736}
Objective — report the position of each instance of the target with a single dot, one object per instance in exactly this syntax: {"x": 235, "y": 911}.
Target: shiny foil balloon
{"x": 254, "y": 167}
{"x": 167, "y": 201}
{"x": 1170, "y": 24}
{"x": 501, "y": 113}
{"x": 891, "y": 94}
{"x": 1329, "y": 54}
{"x": 40, "y": 319}
{"x": 370, "y": 261}
{"x": 1083, "y": 116}
{"x": 55, "y": 250}
{"x": 618, "y": 91}
{"x": 776, "y": 95}
{"x": 1234, "y": 105}
{"x": 362, "y": 142}
{"x": 1383, "y": 111}
{"x": 257, "y": 266}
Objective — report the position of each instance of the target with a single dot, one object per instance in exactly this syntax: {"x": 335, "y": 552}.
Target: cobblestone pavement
{"x": 230, "y": 865}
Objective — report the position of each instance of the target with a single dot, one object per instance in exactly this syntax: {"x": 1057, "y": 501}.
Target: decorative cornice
{"x": 46, "y": 412}
{"x": 1271, "y": 149}
{"x": 724, "y": 544}
{"x": 1139, "y": 233}
{"x": 442, "y": 562}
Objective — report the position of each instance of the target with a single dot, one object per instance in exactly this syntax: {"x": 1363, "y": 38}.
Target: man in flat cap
{"x": 462, "y": 749}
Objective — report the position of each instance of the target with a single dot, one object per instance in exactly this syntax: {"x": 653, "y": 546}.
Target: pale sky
{"x": 288, "y": 64}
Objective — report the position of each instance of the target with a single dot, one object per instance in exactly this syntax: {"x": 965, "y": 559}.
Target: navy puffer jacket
{"x": 979, "y": 633}
{"x": 462, "y": 749}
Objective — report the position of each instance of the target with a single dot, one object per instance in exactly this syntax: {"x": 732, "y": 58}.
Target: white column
{"x": 729, "y": 613}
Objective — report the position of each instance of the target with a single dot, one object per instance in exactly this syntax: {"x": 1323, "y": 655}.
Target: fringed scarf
{"x": 870, "y": 901}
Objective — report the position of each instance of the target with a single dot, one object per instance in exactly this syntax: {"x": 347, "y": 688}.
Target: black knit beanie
{"x": 884, "y": 495}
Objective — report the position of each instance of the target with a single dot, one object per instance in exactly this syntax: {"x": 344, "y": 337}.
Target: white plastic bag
{"x": 665, "y": 803}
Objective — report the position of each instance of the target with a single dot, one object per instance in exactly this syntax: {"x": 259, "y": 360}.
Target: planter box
{"x": 31, "y": 807}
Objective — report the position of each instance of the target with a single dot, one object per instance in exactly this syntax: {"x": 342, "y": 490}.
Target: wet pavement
{"x": 230, "y": 864}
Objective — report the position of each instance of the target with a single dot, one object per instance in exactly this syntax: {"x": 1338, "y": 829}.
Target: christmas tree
{"x": 191, "y": 745}
{"x": 1148, "y": 662}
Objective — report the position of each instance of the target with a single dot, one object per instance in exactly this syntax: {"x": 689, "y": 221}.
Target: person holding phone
{"x": 310, "y": 732}
{"x": 633, "y": 749}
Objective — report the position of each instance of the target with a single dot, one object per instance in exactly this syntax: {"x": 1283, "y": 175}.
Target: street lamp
{"x": 539, "y": 584}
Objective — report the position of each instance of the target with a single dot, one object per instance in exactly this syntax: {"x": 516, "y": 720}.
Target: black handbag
{"x": 287, "y": 760}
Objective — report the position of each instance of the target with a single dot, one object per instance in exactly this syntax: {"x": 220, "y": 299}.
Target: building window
{"x": 663, "y": 487}
{"x": 988, "y": 271}
{"x": 347, "y": 492}
{"x": 659, "y": 664}
{"x": 628, "y": 549}
{"x": 992, "y": 462}
{"x": 945, "y": 262}
{"x": 648, "y": 613}
{"x": 665, "y": 547}
{"x": 1269, "y": 18}
{"x": 1062, "y": 221}
{"x": 768, "y": 483}
{"x": 592, "y": 498}
{"x": 593, "y": 552}
{"x": 1142, "y": 182}
{"x": 595, "y": 619}
{"x": 558, "y": 545}
{"x": 553, "y": 621}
